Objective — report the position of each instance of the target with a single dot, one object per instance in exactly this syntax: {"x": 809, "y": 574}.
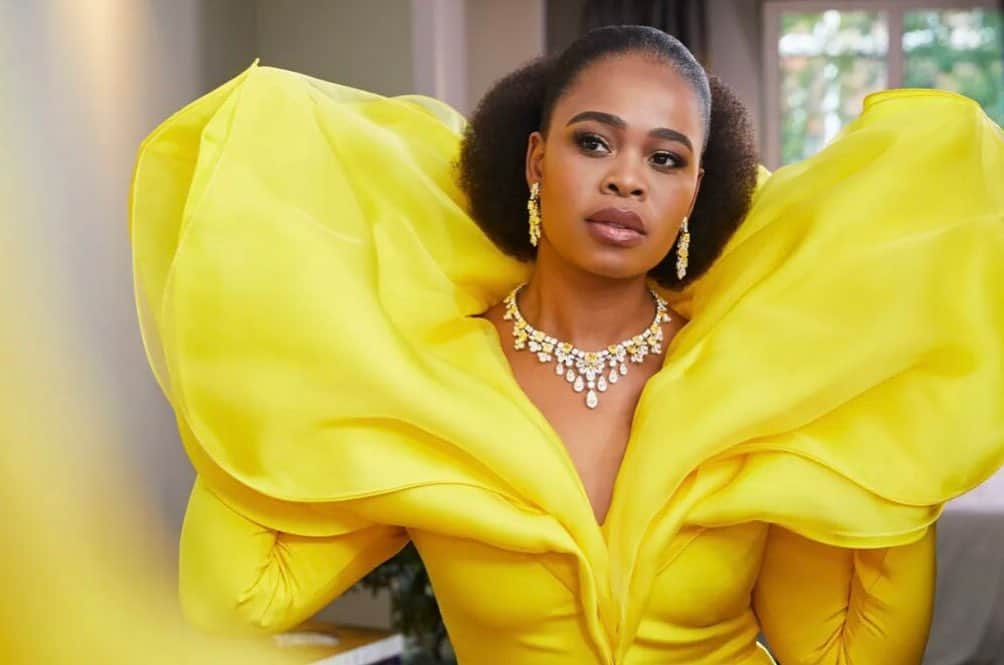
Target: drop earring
{"x": 533, "y": 208}
{"x": 682, "y": 245}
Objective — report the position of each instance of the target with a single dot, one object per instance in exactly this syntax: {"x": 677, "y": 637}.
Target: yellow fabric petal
{"x": 275, "y": 282}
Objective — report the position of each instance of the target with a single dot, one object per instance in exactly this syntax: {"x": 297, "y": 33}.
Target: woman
{"x": 364, "y": 346}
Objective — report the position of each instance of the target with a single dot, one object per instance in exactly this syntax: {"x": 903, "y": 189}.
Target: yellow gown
{"x": 306, "y": 281}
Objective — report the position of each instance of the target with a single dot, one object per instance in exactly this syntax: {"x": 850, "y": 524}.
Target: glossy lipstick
{"x": 616, "y": 226}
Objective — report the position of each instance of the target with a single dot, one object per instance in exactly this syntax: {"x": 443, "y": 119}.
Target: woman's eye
{"x": 666, "y": 159}
{"x": 591, "y": 143}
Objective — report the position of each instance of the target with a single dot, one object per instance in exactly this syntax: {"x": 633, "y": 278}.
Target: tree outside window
{"x": 822, "y": 62}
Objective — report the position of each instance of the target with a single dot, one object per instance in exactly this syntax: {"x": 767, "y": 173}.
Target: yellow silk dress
{"x": 307, "y": 278}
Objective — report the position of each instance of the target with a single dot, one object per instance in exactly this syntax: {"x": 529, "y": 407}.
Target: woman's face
{"x": 624, "y": 138}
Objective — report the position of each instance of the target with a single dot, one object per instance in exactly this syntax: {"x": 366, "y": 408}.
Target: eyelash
{"x": 583, "y": 138}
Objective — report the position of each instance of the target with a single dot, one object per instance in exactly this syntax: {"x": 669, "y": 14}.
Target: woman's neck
{"x": 587, "y": 311}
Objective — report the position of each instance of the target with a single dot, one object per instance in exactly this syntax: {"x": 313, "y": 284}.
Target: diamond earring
{"x": 533, "y": 208}
{"x": 682, "y": 245}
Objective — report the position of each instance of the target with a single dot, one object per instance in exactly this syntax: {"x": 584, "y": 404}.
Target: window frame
{"x": 770, "y": 28}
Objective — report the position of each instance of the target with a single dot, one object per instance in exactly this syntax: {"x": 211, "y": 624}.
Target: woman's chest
{"x": 595, "y": 439}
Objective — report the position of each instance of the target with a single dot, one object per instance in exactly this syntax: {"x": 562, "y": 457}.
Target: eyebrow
{"x": 616, "y": 121}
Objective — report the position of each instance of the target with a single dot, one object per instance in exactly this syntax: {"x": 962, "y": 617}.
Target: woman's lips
{"x": 612, "y": 234}
{"x": 619, "y": 217}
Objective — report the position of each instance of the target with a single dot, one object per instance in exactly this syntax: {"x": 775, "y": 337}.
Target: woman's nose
{"x": 624, "y": 182}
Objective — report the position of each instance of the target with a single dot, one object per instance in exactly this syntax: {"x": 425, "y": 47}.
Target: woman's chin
{"x": 607, "y": 262}
{"x": 615, "y": 266}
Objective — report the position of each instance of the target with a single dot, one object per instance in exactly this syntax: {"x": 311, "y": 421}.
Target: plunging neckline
{"x": 534, "y": 413}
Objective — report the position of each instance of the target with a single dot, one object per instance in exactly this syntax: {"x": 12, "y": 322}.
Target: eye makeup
{"x": 594, "y": 145}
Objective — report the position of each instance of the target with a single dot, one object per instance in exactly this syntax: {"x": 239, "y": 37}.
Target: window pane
{"x": 829, "y": 61}
{"x": 959, "y": 50}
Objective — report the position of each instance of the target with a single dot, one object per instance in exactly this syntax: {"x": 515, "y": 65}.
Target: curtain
{"x": 684, "y": 19}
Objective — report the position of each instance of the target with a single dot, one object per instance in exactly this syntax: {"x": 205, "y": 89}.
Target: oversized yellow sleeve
{"x": 825, "y": 605}
{"x": 239, "y": 576}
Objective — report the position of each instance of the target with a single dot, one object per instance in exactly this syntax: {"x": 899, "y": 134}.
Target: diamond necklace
{"x": 587, "y": 370}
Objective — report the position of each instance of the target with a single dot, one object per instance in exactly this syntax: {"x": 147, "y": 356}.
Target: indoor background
{"x": 86, "y": 80}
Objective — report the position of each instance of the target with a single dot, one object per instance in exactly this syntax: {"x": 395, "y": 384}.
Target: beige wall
{"x": 501, "y": 36}
{"x": 89, "y": 81}
{"x": 360, "y": 43}
{"x": 735, "y": 44}
{"x": 439, "y": 50}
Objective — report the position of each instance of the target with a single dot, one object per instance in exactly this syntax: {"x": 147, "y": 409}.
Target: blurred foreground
{"x": 85, "y": 578}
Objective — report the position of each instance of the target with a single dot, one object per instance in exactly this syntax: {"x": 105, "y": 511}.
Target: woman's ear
{"x": 534, "y": 158}
{"x": 697, "y": 190}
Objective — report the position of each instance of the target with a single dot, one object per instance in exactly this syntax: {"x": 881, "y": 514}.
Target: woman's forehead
{"x": 640, "y": 89}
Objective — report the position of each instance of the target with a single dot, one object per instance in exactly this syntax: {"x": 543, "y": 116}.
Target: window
{"x": 822, "y": 58}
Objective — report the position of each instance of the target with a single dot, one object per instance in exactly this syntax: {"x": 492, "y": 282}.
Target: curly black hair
{"x": 493, "y": 151}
